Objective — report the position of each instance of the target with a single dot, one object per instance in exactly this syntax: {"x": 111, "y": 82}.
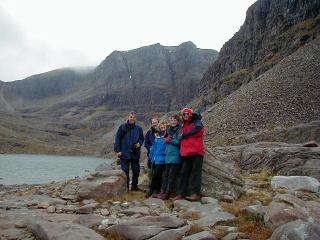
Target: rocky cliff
{"x": 273, "y": 29}
{"x": 154, "y": 77}
{"x": 151, "y": 78}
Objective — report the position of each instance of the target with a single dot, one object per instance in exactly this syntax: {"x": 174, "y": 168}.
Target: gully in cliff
{"x": 128, "y": 141}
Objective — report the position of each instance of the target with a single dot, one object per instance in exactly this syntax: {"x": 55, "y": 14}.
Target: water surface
{"x": 34, "y": 169}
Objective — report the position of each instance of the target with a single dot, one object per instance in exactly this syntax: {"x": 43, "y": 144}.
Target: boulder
{"x": 212, "y": 219}
{"x": 145, "y": 227}
{"x": 221, "y": 174}
{"x": 285, "y": 208}
{"x": 297, "y": 230}
{"x": 136, "y": 210}
{"x": 155, "y": 203}
{"x": 103, "y": 184}
{"x": 296, "y": 183}
{"x": 204, "y": 235}
{"x": 172, "y": 234}
{"x": 282, "y": 158}
{"x": 90, "y": 220}
{"x": 88, "y": 208}
{"x": 45, "y": 230}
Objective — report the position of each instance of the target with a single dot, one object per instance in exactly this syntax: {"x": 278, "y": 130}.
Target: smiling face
{"x": 162, "y": 127}
{"x": 173, "y": 122}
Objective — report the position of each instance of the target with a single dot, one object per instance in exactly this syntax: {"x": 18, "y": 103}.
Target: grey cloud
{"x": 22, "y": 56}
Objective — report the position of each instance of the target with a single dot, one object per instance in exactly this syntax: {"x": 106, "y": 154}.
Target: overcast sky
{"x": 40, "y": 35}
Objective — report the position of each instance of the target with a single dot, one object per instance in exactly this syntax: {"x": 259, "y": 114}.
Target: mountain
{"x": 75, "y": 111}
{"x": 154, "y": 77}
{"x": 273, "y": 29}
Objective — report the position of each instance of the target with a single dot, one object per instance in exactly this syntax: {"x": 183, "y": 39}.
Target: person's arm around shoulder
{"x": 198, "y": 126}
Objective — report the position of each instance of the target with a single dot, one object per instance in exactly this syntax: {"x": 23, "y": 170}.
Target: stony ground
{"x": 55, "y": 211}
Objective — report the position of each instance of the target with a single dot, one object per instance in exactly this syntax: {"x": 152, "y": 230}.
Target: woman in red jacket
{"x": 192, "y": 152}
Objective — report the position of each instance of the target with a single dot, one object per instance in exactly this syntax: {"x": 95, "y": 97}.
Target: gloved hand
{"x": 168, "y": 139}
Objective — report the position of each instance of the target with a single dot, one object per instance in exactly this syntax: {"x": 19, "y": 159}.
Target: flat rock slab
{"x": 155, "y": 203}
{"x": 145, "y": 227}
{"x": 295, "y": 183}
{"x": 184, "y": 204}
{"x": 204, "y": 235}
{"x": 136, "y": 210}
{"x": 297, "y": 230}
{"x": 90, "y": 220}
{"x": 45, "y": 230}
{"x": 103, "y": 184}
{"x": 172, "y": 234}
{"x": 212, "y": 219}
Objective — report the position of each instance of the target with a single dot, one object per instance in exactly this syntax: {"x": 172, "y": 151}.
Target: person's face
{"x": 173, "y": 122}
{"x": 186, "y": 115}
{"x": 132, "y": 119}
{"x": 154, "y": 123}
{"x": 162, "y": 127}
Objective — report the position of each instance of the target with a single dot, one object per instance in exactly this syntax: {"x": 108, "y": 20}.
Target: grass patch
{"x": 129, "y": 196}
{"x": 236, "y": 76}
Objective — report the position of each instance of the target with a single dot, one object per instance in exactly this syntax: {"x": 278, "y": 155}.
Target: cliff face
{"x": 153, "y": 77}
{"x": 273, "y": 29}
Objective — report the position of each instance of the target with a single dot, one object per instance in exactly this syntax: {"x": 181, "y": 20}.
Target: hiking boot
{"x": 178, "y": 197}
{"x": 159, "y": 194}
{"x": 163, "y": 196}
{"x": 193, "y": 198}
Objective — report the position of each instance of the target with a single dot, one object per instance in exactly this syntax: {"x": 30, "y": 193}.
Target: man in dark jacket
{"x": 149, "y": 139}
{"x": 128, "y": 142}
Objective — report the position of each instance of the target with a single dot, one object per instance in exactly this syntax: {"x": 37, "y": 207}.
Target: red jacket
{"x": 192, "y": 142}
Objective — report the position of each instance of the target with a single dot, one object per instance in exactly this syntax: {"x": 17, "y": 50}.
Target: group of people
{"x": 174, "y": 149}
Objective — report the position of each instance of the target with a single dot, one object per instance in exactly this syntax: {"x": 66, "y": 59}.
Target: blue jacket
{"x": 149, "y": 139}
{"x": 128, "y": 135}
{"x": 158, "y": 151}
{"x": 173, "y": 147}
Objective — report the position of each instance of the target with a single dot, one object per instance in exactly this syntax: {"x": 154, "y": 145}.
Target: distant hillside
{"x": 284, "y": 96}
{"x": 273, "y": 29}
{"x": 149, "y": 78}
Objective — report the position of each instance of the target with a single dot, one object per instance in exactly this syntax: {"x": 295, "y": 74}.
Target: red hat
{"x": 187, "y": 110}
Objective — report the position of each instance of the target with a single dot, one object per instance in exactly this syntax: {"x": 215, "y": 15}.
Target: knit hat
{"x": 186, "y": 110}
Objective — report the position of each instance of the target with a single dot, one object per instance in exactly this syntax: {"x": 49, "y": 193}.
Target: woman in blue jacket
{"x": 158, "y": 156}
{"x": 172, "y": 158}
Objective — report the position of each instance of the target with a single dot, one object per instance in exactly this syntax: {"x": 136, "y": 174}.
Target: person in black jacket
{"x": 128, "y": 141}
{"x": 149, "y": 139}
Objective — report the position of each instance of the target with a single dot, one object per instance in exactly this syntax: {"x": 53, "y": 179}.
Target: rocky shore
{"x": 99, "y": 207}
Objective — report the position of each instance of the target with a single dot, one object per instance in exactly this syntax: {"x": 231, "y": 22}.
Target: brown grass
{"x": 248, "y": 223}
{"x": 129, "y": 196}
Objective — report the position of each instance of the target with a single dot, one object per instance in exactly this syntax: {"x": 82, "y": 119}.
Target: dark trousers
{"x": 191, "y": 166}
{"x": 135, "y": 167}
{"x": 169, "y": 178}
{"x": 156, "y": 177}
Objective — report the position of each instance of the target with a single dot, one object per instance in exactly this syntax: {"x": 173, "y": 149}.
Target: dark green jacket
{"x": 173, "y": 146}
